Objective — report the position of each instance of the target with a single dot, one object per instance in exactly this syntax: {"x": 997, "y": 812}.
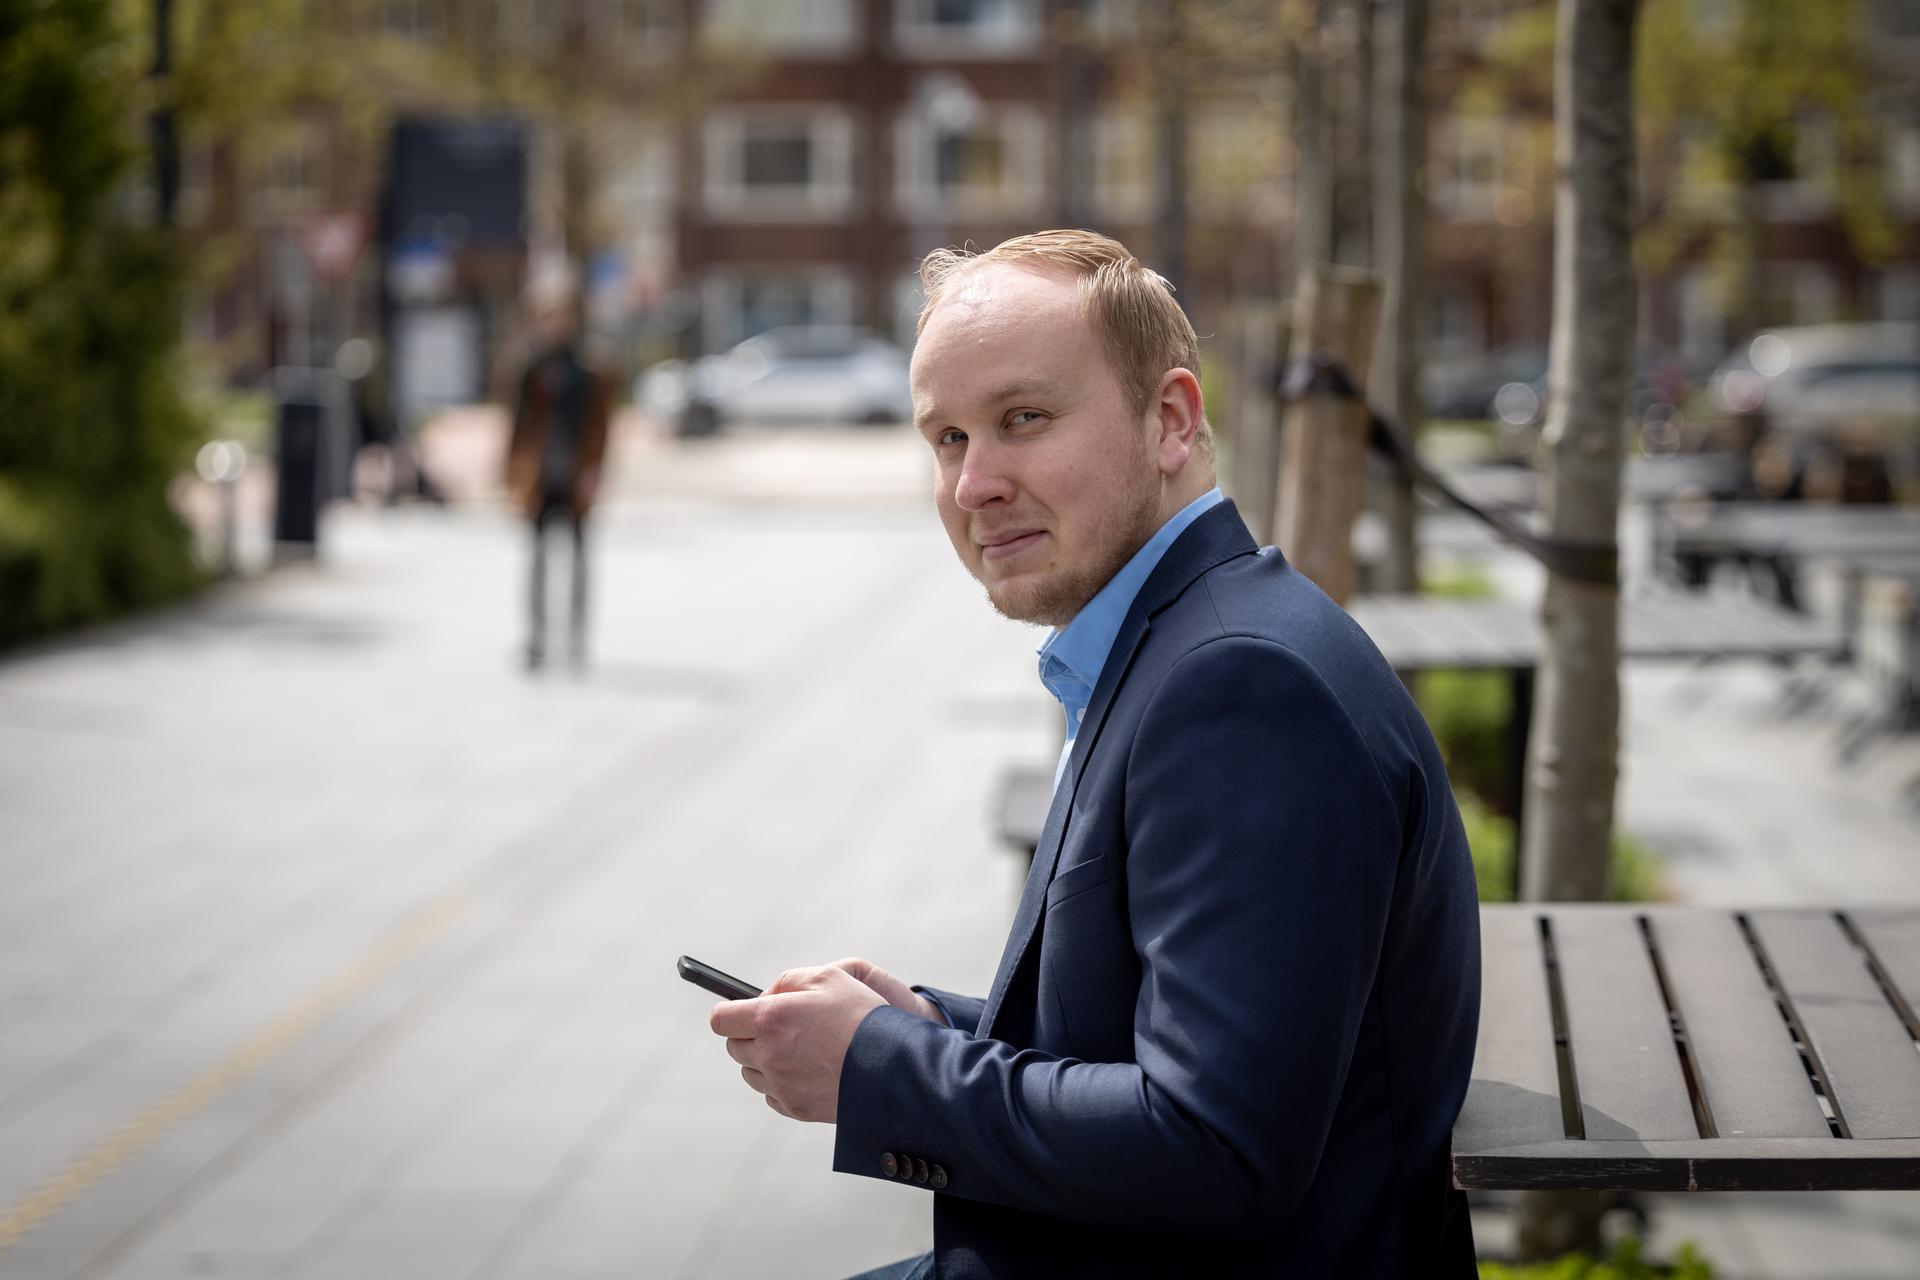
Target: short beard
{"x": 1056, "y": 600}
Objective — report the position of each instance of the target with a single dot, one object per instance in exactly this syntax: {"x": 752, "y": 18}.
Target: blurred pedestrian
{"x": 554, "y": 457}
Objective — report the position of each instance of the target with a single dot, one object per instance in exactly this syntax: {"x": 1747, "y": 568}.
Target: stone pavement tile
{"x": 1860, "y": 1235}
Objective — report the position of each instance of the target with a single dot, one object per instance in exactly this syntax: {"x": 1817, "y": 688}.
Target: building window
{"x": 792, "y": 27}
{"x": 1897, "y": 20}
{"x": 1455, "y": 325}
{"x": 1476, "y": 160}
{"x": 639, "y": 26}
{"x": 1900, "y": 294}
{"x": 1903, "y": 165}
{"x": 410, "y": 19}
{"x": 1479, "y": 21}
{"x": 1122, "y": 164}
{"x": 948, "y": 27}
{"x": 779, "y": 163}
{"x": 291, "y": 172}
{"x": 1702, "y": 318}
{"x": 1798, "y": 177}
{"x": 1237, "y": 163}
{"x": 1812, "y": 293}
{"x": 536, "y": 26}
{"x": 738, "y": 303}
{"x": 991, "y": 163}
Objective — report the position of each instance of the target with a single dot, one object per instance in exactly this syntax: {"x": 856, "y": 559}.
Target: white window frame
{"x": 829, "y": 190}
{"x": 1024, "y": 135}
{"x": 834, "y": 297}
{"x": 907, "y": 299}
{"x": 917, "y": 35}
{"x": 814, "y": 28}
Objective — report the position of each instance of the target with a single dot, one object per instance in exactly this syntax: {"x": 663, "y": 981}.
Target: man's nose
{"x": 983, "y": 479}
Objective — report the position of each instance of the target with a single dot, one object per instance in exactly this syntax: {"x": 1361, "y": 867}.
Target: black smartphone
{"x": 724, "y": 985}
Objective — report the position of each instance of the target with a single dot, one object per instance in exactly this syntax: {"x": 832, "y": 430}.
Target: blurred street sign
{"x": 420, "y": 271}
{"x": 333, "y": 242}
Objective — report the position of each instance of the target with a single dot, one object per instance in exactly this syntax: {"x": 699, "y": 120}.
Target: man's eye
{"x": 947, "y": 438}
{"x": 1020, "y": 417}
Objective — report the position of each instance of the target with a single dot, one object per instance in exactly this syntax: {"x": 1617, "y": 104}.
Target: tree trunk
{"x": 1573, "y": 767}
{"x": 1400, "y": 229}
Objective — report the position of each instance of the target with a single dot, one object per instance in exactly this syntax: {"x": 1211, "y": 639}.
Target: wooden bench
{"x": 1687, "y": 1049}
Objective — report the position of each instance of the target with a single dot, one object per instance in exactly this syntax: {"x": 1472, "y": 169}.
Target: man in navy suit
{"x": 1235, "y": 1017}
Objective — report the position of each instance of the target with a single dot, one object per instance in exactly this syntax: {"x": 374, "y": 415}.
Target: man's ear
{"x": 1176, "y": 412}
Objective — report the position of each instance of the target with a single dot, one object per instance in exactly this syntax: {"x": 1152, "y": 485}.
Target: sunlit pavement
{"x": 334, "y": 944}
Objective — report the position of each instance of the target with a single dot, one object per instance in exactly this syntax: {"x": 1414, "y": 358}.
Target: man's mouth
{"x": 1004, "y": 546}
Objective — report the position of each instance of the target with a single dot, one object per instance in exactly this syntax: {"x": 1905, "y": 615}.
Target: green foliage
{"x": 1468, "y": 712}
{"x": 1634, "y": 875}
{"x": 92, "y": 425}
{"x": 1625, "y": 1264}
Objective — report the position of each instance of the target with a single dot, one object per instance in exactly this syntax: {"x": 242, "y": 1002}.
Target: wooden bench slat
{"x": 1697, "y": 1164}
{"x": 1625, "y": 1065}
{"x": 1514, "y": 1095}
{"x": 1894, "y": 935}
{"x": 1742, "y": 1050}
{"x": 1867, "y": 1055}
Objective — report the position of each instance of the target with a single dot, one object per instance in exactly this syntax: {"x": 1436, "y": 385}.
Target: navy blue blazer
{"x": 1235, "y": 1018}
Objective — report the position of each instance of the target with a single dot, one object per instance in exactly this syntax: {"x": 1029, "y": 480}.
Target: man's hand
{"x": 790, "y": 1042}
{"x": 892, "y": 990}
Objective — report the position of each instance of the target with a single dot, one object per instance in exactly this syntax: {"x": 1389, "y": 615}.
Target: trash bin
{"x": 296, "y": 508}
{"x": 309, "y": 425}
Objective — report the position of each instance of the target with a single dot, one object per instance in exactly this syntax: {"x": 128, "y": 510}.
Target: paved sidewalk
{"x": 333, "y": 945}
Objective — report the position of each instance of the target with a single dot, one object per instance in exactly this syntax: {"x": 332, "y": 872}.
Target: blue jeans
{"x": 920, "y": 1268}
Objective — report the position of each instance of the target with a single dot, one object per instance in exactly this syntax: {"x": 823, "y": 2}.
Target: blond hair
{"x": 1129, "y": 305}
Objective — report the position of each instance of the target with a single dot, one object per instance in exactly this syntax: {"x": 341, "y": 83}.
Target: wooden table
{"x": 1781, "y": 536}
{"x": 1688, "y": 1049}
{"x": 1421, "y": 633}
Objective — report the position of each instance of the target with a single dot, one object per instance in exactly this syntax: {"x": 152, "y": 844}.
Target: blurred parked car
{"x": 1819, "y": 380}
{"x": 1827, "y": 411}
{"x": 800, "y": 373}
{"x": 1466, "y": 388}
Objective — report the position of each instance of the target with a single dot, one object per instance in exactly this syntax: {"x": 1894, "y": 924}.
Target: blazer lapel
{"x": 1218, "y": 535}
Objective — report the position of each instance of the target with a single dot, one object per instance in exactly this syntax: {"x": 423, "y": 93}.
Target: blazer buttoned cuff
{"x": 871, "y": 1139}
{"x": 961, "y": 1012}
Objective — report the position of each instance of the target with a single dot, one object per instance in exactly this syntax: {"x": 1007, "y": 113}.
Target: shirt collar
{"x": 1073, "y": 656}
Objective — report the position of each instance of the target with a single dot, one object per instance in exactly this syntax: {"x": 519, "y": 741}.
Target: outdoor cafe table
{"x": 1666, "y": 1048}
{"x": 1422, "y": 633}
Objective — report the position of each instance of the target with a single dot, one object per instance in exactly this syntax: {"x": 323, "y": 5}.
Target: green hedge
{"x": 92, "y": 423}
{"x": 1625, "y": 1264}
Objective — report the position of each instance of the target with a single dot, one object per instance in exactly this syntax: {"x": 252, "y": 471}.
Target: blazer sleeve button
{"x": 889, "y": 1163}
{"x": 939, "y": 1178}
{"x": 920, "y": 1170}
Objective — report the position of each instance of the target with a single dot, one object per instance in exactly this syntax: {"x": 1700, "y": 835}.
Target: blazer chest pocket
{"x": 1077, "y": 880}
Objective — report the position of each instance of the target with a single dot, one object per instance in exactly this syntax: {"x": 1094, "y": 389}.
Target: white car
{"x": 801, "y": 373}
{"x": 1817, "y": 381}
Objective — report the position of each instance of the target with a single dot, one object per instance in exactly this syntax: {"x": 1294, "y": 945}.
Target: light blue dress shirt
{"x": 1072, "y": 657}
